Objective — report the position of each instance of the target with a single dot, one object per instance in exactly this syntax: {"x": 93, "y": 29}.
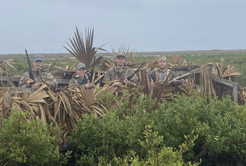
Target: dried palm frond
{"x": 223, "y": 71}
{"x": 63, "y": 108}
{"x": 130, "y": 55}
{"x": 242, "y": 96}
{"x": 8, "y": 62}
{"x": 97, "y": 61}
{"x": 82, "y": 49}
{"x": 230, "y": 71}
{"x": 176, "y": 59}
{"x": 47, "y": 67}
{"x": 206, "y": 82}
{"x": 4, "y": 71}
{"x": 107, "y": 64}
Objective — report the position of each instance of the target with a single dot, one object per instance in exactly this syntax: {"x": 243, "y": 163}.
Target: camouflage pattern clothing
{"x": 41, "y": 76}
{"x": 120, "y": 74}
{"x": 77, "y": 81}
{"x": 156, "y": 75}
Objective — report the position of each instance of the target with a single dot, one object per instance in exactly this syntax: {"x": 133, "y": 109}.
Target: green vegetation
{"x": 29, "y": 143}
{"x": 166, "y": 156}
{"x": 184, "y": 131}
{"x": 217, "y": 125}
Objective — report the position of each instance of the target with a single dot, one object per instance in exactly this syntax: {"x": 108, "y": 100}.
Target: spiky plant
{"x": 81, "y": 48}
{"x": 130, "y": 55}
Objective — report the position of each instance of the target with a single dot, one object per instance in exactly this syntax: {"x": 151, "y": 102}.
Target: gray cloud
{"x": 159, "y": 25}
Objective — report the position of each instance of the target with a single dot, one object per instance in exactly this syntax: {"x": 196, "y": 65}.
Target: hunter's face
{"x": 81, "y": 72}
{"x": 120, "y": 61}
{"x": 37, "y": 64}
{"x": 162, "y": 64}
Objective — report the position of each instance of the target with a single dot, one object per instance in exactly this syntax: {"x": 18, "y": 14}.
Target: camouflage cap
{"x": 121, "y": 55}
{"x": 38, "y": 58}
{"x": 80, "y": 65}
{"x": 161, "y": 58}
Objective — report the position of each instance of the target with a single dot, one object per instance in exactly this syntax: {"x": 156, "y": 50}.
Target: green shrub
{"x": 219, "y": 126}
{"x": 111, "y": 136}
{"x": 166, "y": 155}
{"x": 34, "y": 143}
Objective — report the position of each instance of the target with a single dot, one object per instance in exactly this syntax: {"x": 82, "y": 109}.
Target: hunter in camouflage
{"x": 161, "y": 73}
{"x": 80, "y": 79}
{"x": 120, "y": 72}
{"x": 41, "y": 76}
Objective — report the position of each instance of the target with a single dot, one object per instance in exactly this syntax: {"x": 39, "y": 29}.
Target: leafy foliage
{"x": 121, "y": 135}
{"x": 166, "y": 156}
{"x": 111, "y": 136}
{"x": 29, "y": 143}
{"x": 219, "y": 126}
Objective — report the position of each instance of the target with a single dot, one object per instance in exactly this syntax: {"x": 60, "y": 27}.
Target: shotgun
{"x": 187, "y": 74}
{"x": 130, "y": 77}
{"x": 30, "y": 68}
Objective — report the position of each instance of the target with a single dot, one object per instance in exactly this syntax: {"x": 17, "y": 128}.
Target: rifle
{"x": 92, "y": 70}
{"x": 187, "y": 74}
{"x": 30, "y": 68}
{"x": 130, "y": 77}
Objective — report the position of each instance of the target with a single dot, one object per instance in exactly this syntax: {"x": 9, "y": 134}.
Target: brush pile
{"x": 4, "y": 71}
{"x": 223, "y": 71}
{"x": 64, "y": 106}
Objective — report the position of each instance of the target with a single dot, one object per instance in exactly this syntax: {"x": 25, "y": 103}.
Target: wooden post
{"x": 235, "y": 93}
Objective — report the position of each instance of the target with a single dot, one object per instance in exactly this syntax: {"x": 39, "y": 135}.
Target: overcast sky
{"x": 44, "y": 26}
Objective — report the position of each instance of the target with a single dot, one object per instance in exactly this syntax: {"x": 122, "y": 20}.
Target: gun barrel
{"x": 30, "y": 67}
{"x": 28, "y": 59}
{"x": 187, "y": 74}
{"x": 130, "y": 77}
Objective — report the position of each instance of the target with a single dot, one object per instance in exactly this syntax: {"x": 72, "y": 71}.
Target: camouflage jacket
{"x": 120, "y": 75}
{"x": 41, "y": 76}
{"x": 156, "y": 75}
{"x": 78, "y": 81}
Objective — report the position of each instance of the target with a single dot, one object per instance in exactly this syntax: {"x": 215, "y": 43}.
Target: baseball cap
{"x": 161, "y": 58}
{"x": 80, "y": 65}
{"x": 38, "y": 58}
{"x": 121, "y": 55}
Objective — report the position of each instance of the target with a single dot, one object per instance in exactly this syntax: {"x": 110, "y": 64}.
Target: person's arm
{"x": 134, "y": 78}
{"x": 23, "y": 81}
{"x": 87, "y": 84}
{"x": 151, "y": 74}
{"x": 173, "y": 75}
{"x": 73, "y": 83}
{"x": 106, "y": 77}
{"x": 50, "y": 80}
{"x": 150, "y": 79}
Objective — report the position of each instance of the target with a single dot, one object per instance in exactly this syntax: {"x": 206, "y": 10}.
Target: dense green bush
{"x": 121, "y": 137}
{"x": 34, "y": 143}
{"x": 218, "y": 124}
{"x": 166, "y": 155}
{"x": 111, "y": 136}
